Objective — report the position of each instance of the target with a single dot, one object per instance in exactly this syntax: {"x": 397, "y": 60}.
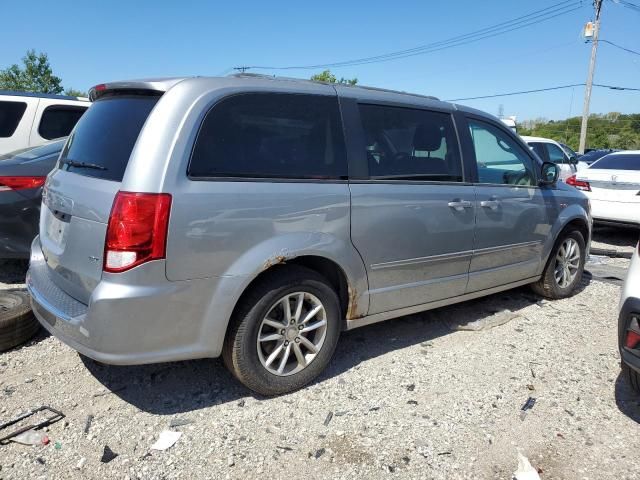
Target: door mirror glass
{"x": 573, "y": 160}
{"x": 550, "y": 172}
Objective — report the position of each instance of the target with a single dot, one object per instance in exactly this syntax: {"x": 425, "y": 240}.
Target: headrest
{"x": 428, "y": 137}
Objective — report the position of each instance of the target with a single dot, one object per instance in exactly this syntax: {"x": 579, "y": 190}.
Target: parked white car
{"x": 31, "y": 119}
{"x": 551, "y": 151}
{"x": 613, "y": 187}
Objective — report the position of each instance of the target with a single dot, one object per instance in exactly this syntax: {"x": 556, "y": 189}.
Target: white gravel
{"x": 433, "y": 395}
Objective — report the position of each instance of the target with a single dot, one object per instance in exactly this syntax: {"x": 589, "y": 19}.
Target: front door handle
{"x": 492, "y": 204}
{"x": 460, "y": 205}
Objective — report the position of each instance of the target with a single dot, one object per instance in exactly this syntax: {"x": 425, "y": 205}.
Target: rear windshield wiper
{"x": 73, "y": 163}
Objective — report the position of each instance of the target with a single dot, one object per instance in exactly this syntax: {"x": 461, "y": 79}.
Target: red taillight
{"x": 137, "y": 230}
{"x": 100, "y": 88}
{"x": 632, "y": 340}
{"x": 579, "y": 184}
{"x": 21, "y": 183}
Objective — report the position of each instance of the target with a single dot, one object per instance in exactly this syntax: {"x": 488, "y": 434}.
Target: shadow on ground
{"x": 627, "y": 400}
{"x": 179, "y": 387}
{"x": 616, "y": 236}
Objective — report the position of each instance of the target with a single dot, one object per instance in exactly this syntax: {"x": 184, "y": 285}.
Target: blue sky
{"x": 117, "y": 40}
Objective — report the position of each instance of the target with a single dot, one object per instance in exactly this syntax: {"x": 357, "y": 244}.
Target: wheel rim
{"x": 292, "y": 333}
{"x": 567, "y": 263}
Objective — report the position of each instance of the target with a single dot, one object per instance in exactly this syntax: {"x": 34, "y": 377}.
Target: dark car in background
{"x": 22, "y": 176}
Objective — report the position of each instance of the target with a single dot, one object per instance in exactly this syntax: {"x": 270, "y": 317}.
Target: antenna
{"x": 242, "y": 69}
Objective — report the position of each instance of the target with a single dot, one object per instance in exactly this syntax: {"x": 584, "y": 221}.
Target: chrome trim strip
{"x": 430, "y": 259}
{"x": 451, "y": 256}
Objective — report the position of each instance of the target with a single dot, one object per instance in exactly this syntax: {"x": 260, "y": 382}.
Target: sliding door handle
{"x": 460, "y": 205}
{"x": 492, "y": 204}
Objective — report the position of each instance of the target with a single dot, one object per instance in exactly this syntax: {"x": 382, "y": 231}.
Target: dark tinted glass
{"x": 556, "y": 154}
{"x": 58, "y": 121}
{"x": 106, "y": 134}
{"x": 627, "y": 161}
{"x": 271, "y": 136}
{"x": 404, "y": 143}
{"x": 10, "y": 115}
{"x": 594, "y": 155}
{"x": 540, "y": 150}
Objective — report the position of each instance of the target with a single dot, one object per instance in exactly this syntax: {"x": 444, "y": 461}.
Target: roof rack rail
{"x": 377, "y": 89}
{"x": 40, "y": 95}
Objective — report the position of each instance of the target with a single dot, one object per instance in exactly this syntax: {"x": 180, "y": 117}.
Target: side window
{"x": 540, "y": 150}
{"x": 10, "y": 116}
{"x": 58, "y": 120}
{"x": 499, "y": 158}
{"x": 556, "y": 155}
{"x": 410, "y": 144}
{"x": 271, "y": 135}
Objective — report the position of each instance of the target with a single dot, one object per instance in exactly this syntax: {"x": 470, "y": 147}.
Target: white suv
{"x": 31, "y": 119}
{"x": 551, "y": 151}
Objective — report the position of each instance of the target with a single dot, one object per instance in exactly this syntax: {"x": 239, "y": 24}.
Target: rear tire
{"x": 549, "y": 286}
{"x": 261, "y": 333}
{"x": 17, "y": 323}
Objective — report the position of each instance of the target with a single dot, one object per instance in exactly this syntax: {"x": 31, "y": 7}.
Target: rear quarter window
{"x": 58, "y": 120}
{"x": 105, "y": 136}
{"x": 271, "y": 135}
{"x": 618, "y": 162}
{"x": 10, "y": 115}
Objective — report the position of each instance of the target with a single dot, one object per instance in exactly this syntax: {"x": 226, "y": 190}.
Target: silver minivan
{"x": 256, "y": 218}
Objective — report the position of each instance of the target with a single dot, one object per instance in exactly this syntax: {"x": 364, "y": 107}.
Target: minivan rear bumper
{"x": 134, "y": 323}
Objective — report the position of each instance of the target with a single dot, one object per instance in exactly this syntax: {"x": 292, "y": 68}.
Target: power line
{"x": 619, "y": 46}
{"x": 629, "y": 5}
{"x": 517, "y": 23}
{"x": 559, "y": 87}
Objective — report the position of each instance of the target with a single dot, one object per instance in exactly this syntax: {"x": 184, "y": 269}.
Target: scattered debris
{"x": 29, "y": 437}
{"x": 285, "y": 448}
{"x": 45, "y": 440}
{"x": 87, "y": 423}
{"x": 328, "y": 419}
{"x": 411, "y": 387}
{"x": 531, "y": 387}
{"x": 230, "y": 461}
{"x": 40, "y": 460}
{"x": 81, "y": 463}
{"x": 241, "y": 403}
{"x": 525, "y": 471}
{"x": 528, "y": 405}
{"x": 318, "y": 453}
{"x": 445, "y": 453}
{"x": 108, "y": 455}
{"x": 341, "y": 413}
{"x": 412, "y": 402}
{"x": 44, "y": 423}
{"x": 109, "y": 392}
{"x": 179, "y": 422}
{"x": 374, "y": 409}
{"x": 166, "y": 440}
{"x": 57, "y": 446}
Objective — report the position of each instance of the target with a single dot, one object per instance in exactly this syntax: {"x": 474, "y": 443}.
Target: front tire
{"x": 284, "y": 331}
{"x": 563, "y": 272}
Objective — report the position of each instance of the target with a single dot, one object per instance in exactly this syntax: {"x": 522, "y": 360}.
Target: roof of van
{"x": 41, "y": 95}
{"x": 261, "y": 81}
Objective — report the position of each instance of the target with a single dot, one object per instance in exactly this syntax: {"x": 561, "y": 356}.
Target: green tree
{"x": 72, "y": 92}
{"x": 35, "y": 76}
{"x": 328, "y": 77}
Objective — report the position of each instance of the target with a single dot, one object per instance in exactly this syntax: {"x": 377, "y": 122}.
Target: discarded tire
{"x": 17, "y": 323}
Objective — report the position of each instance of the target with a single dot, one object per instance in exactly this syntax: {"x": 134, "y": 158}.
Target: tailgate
{"x": 614, "y": 186}
{"x": 78, "y": 196}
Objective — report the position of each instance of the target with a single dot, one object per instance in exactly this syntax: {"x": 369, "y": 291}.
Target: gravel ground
{"x": 433, "y": 395}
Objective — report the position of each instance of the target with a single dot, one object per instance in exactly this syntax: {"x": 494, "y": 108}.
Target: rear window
{"x": 271, "y": 135}
{"x": 618, "y": 162}
{"x": 105, "y": 135}
{"x": 10, "y": 116}
{"x": 58, "y": 120}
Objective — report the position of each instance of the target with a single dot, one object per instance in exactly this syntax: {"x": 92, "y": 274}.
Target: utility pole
{"x": 592, "y": 66}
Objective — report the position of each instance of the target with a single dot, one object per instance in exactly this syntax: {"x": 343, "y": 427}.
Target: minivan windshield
{"x": 103, "y": 139}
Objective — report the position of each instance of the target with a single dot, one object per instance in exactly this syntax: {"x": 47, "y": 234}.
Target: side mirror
{"x": 550, "y": 173}
{"x": 573, "y": 160}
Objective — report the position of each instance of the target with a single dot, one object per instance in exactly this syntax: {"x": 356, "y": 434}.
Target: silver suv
{"x": 256, "y": 218}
